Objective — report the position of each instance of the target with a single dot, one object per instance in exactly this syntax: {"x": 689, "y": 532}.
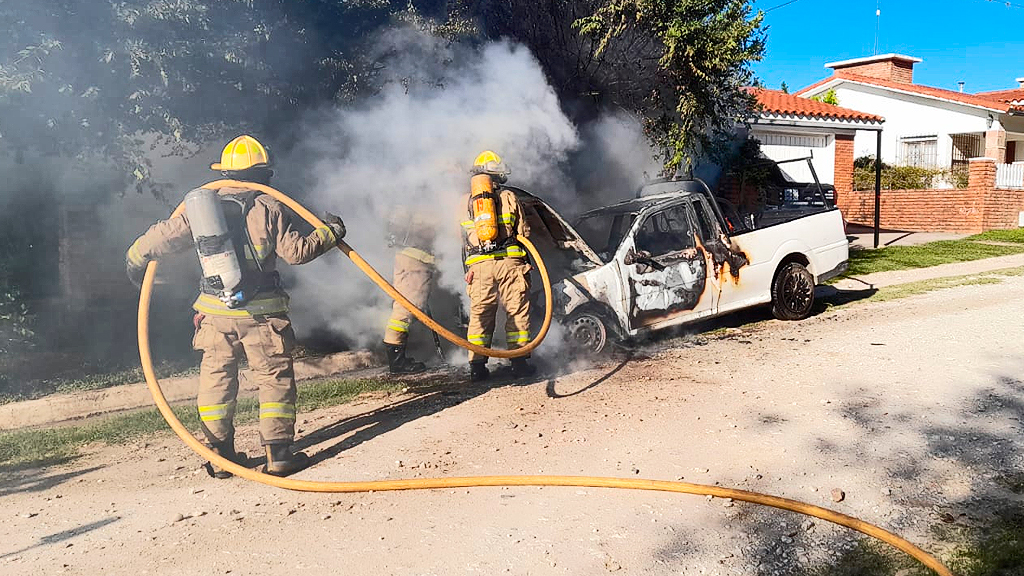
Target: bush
{"x": 898, "y": 177}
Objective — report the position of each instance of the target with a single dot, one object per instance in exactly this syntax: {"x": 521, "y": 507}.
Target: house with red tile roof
{"x": 790, "y": 127}
{"x": 925, "y": 126}
{"x": 1014, "y": 96}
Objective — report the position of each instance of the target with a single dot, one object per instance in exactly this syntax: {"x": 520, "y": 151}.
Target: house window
{"x": 921, "y": 151}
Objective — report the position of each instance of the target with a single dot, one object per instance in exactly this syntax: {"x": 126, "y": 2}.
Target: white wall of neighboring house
{"x": 779, "y": 143}
{"x": 912, "y": 116}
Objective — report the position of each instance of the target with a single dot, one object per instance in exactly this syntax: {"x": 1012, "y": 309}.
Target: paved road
{"x": 913, "y": 408}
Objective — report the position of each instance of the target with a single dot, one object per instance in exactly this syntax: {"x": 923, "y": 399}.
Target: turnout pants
{"x": 268, "y": 343}
{"x": 412, "y": 278}
{"x": 506, "y": 282}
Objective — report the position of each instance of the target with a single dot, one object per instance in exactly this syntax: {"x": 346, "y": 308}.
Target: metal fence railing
{"x": 1010, "y": 175}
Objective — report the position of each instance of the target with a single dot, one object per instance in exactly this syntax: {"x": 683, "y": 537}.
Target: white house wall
{"x": 908, "y": 116}
{"x": 787, "y": 145}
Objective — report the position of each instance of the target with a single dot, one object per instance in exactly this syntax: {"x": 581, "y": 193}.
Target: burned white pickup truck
{"x": 666, "y": 258}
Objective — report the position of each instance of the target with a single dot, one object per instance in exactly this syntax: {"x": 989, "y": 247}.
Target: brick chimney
{"x": 891, "y": 67}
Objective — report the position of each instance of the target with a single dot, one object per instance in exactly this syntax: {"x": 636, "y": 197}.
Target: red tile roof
{"x": 979, "y": 100}
{"x": 1015, "y": 95}
{"x": 776, "y": 102}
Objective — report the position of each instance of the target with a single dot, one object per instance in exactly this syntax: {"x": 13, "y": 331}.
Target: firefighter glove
{"x": 135, "y": 272}
{"x": 335, "y": 224}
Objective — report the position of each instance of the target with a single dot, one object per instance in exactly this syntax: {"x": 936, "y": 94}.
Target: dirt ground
{"x": 912, "y": 407}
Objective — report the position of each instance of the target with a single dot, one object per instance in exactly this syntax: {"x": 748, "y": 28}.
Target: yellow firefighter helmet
{"x": 490, "y": 163}
{"x": 242, "y": 153}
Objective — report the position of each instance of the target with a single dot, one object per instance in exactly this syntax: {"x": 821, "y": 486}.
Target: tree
{"x": 784, "y": 87}
{"x": 694, "y": 64}
{"x": 88, "y": 78}
{"x": 829, "y": 97}
{"x": 679, "y": 65}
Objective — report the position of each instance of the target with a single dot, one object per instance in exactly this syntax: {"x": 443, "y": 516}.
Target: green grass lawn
{"x": 1016, "y": 236}
{"x": 935, "y": 253}
{"x": 26, "y": 448}
{"x": 16, "y": 387}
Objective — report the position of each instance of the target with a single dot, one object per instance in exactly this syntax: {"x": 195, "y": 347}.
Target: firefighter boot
{"x": 399, "y": 363}
{"x": 282, "y": 462}
{"x": 227, "y": 450}
{"x": 478, "y": 371}
{"x": 521, "y": 368}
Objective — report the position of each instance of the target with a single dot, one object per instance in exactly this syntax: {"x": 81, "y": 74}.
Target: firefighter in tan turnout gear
{"x": 242, "y": 308}
{"x": 497, "y": 271}
{"x": 412, "y": 236}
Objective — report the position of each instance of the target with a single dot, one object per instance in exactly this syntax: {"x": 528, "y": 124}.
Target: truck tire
{"x": 587, "y": 333}
{"x": 792, "y": 292}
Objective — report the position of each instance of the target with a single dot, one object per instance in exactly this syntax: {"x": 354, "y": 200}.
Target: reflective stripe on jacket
{"x": 510, "y": 224}
{"x": 417, "y": 254}
{"x": 513, "y": 251}
{"x": 264, "y": 304}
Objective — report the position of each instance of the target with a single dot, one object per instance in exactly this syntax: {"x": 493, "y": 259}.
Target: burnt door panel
{"x": 666, "y": 275}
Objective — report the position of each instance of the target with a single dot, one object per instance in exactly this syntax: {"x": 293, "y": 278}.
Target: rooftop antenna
{"x": 878, "y": 18}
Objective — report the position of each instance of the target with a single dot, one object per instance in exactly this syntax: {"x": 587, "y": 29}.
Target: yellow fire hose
{"x": 186, "y": 436}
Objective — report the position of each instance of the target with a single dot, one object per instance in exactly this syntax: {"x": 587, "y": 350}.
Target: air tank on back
{"x": 485, "y": 217}
{"x": 213, "y": 240}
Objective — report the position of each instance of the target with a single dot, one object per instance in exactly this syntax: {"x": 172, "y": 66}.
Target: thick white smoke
{"x": 413, "y": 145}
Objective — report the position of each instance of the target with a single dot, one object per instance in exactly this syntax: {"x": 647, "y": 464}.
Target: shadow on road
{"x": 64, "y": 535}
{"x": 552, "y": 393}
{"x": 429, "y": 398}
{"x": 33, "y": 480}
{"x": 963, "y": 483}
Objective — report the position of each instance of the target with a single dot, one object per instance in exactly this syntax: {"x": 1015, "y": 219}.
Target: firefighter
{"x": 413, "y": 236}
{"x": 497, "y": 271}
{"x": 242, "y": 307}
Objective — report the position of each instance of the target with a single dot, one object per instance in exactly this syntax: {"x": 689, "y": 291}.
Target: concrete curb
{"x": 59, "y": 408}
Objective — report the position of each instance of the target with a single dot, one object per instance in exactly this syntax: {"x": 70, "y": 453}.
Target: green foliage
{"x": 784, "y": 87}
{"x": 749, "y": 166}
{"x": 960, "y": 178}
{"x": 86, "y": 79}
{"x": 895, "y": 177}
{"x": 829, "y": 97}
{"x": 691, "y": 60}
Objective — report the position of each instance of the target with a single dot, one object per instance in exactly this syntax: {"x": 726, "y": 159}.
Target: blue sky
{"x": 977, "y": 41}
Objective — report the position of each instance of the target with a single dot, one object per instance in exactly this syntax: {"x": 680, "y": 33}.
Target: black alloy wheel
{"x": 793, "y": 292}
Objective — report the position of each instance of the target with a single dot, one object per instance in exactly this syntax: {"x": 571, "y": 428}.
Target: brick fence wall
{"x": 979, "y": 207}
{"x": 843, "y": 179}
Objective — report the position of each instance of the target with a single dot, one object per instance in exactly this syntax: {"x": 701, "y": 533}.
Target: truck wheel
{"x": 587, "y": 333}
{"x": 792, "y": 292}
